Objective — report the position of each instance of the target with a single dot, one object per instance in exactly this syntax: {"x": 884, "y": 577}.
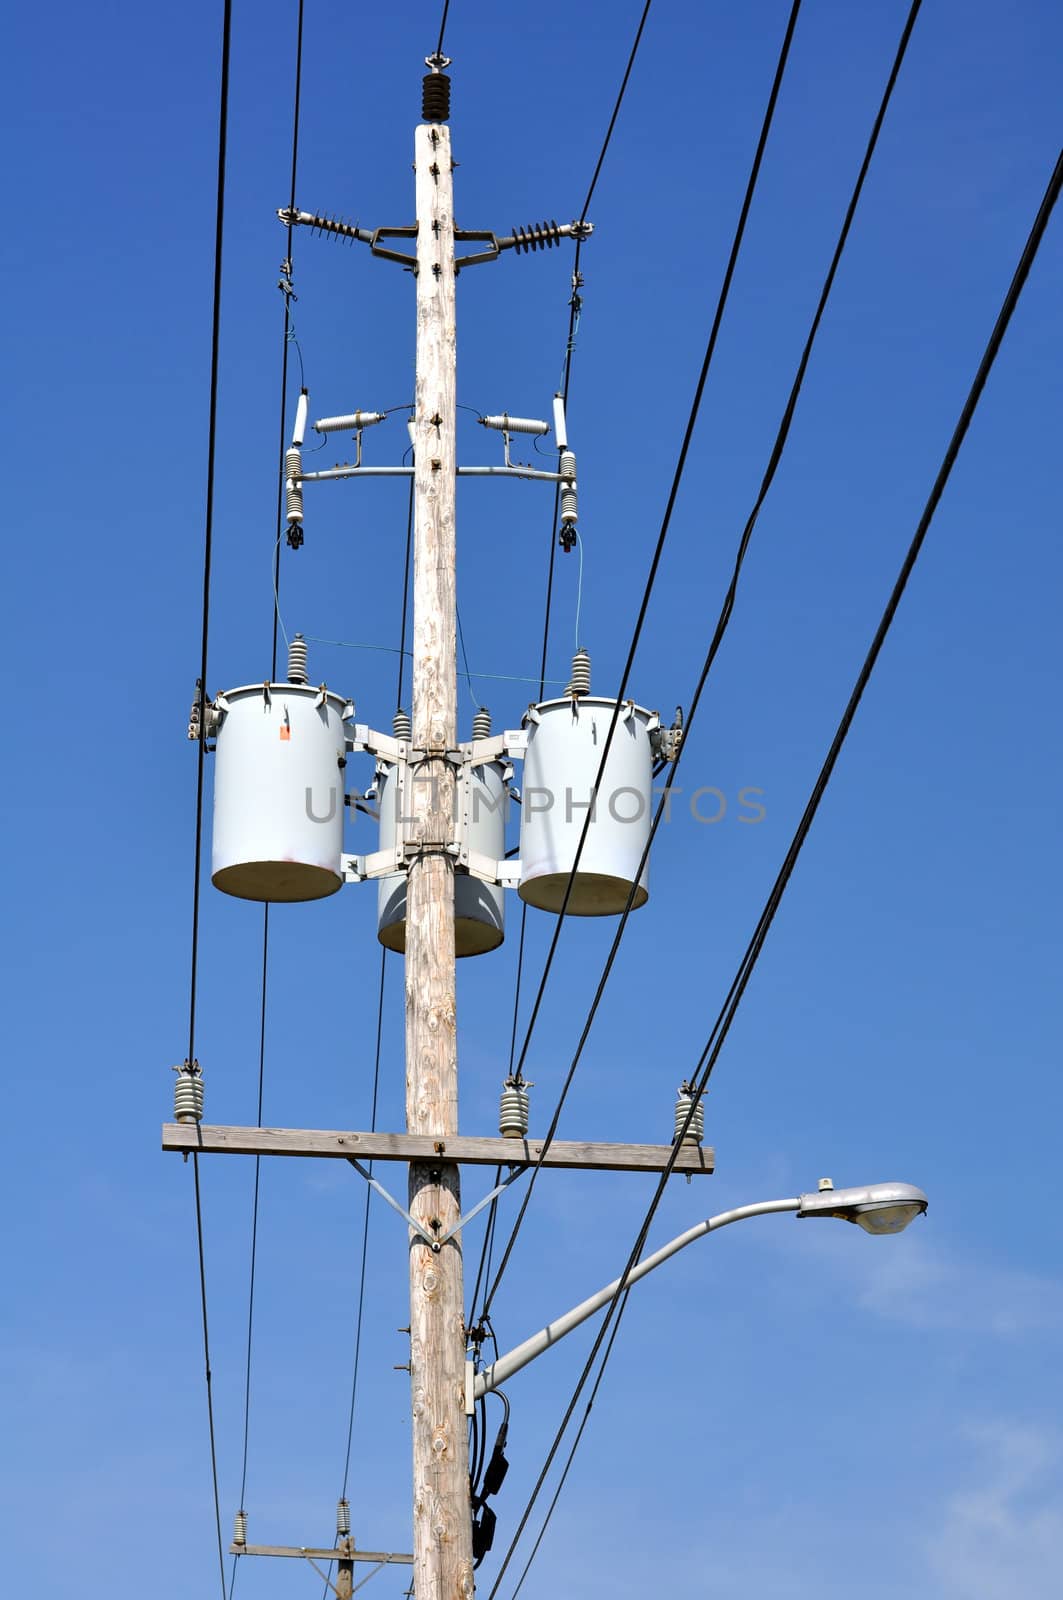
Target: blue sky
{"x": 791, "y": 1411}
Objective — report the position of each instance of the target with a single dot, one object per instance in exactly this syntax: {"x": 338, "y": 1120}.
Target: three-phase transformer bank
{"x": 279, "y": 804}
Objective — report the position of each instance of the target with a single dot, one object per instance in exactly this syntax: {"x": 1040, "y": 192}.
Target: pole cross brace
{"x": 539, "y": 236}
{"x": 406, "y": 758}
{"x": 434, "y": 1241}
{"x": 347, "y": 470}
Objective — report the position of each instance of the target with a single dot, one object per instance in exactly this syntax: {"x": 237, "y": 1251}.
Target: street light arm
{"x": 505, "y": 1366}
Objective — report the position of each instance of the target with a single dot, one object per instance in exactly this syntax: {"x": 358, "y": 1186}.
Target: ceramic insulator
{"x": 581, "y": 673}
{"x": 435, "y": 97}
{"x": 401, "y": 726}
{"x": 240, "y": 1528}
{"x": 297, "y": 672}
{"x": 293, "y": 489}
{"x": 481, "y": 724}
{"x": 507, "y": 424}
{"x": 343, "y": 1518}
{"x": 696, "y": 1131}
{"x": 350, "y": 422}
{"x": 513, "y": 1113}
{"x": 569, "y": 496}
{"x": 188, "y": 1096}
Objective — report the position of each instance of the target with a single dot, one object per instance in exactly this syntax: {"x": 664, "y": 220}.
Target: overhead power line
{"x": 285, "y": 285}
{"x": 570, "y": 345}
{"x": 717, "y": 320}
{"x": 208, "y": 541}
{"x": 364, "y": 1254}
{"x": 443, "y": 26}
{"x": 721, "y": 1027}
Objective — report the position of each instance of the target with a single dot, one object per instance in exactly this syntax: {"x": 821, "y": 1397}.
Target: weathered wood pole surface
{"x": 442, "y": 1532}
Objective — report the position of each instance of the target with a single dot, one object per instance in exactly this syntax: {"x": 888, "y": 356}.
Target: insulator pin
{"x": 581, "y": 673}
{"x": 240, "y": 1528}
{"x": 343, "y": 1518}
{"x": 402, "y": 726}
{"x": 695, "y": 1133}
{"x": 297, "y": 663}
{"x": 513, "y": 1112}
{"x": 481, "y": 724}
{"x": 507, "y": 424}
{"x": 351, "y": 422}
{"x": 435, "y": 97}
{"x": 188, "y": 1093}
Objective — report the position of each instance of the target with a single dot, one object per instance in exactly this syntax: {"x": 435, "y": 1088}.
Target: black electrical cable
{"x": 562, "y": 1480}
{"x": 722, "y": 1025}
{"x": 379, "y": 1039}
{"x": 717, "y": 320}
{"x": 574, "y": 312}
{"x": 254, "y": 1234}
{"x": 290, "y": 230}
{"x": 662, "y": 536}
{"x": 442, "y": 27}
{"x": 208, "y": 540}
{"x": 365, "y": 1226}
{"x": 573, "y": 317}
{"x": 283, "y": 411}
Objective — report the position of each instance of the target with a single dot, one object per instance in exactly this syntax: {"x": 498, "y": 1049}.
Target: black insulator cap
{"x": 435, "y": 97}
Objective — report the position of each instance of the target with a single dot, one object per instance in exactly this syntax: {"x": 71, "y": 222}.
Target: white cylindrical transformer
{"x": 278, "y": 792}
{"x": 479, "y": 916}
{"x": 566, "y": 739}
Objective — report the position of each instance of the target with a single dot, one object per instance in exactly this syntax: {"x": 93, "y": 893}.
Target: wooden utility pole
{"x": 442, "y": 1523}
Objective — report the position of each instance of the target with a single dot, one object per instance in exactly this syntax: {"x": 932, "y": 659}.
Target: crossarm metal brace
{"x": 330, "y": 474}
{"x": 540, "y": 236}
{"x": 435, "y": 1242}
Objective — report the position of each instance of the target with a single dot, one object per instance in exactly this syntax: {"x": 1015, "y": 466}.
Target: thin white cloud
{"x": 1001, "y": 1535}
{"x": 914, "y": 1281}
{"x": 920, "y": 1286}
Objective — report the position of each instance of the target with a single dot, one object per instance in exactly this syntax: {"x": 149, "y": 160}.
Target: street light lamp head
{"x": 877, "y": 1208}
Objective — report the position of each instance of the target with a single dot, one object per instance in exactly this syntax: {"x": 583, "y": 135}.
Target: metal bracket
{"x": 347, "y": 470}
{"x": 433, "y": 1241}
{"x": 539, "y": 236}
{"x": 402, "y": 756}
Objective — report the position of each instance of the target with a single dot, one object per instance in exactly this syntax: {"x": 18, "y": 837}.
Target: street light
{"x": 878, "y": 1208}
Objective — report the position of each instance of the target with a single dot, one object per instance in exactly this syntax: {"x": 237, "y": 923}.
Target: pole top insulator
{"x": 435, "y": 90}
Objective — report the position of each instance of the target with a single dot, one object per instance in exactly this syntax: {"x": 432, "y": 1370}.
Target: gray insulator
{"x": 297, "y": 672}
{"x": 513, "y": 1113}
{"x": 351, "y": 422}
{"x": 507, "y": 424}
{"x": 401, "y": 726}
{"x": 569, "y": 498}
{"x": 188, "y": 1094}
{"x": 293, "y": 489}
{"x": 240, "y": 1528}
{"x": 481, "y": 724}
{"x": 343, "y": 1518}
{"x": 696, "y": 1131}
{"x": 581, "y": 673}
